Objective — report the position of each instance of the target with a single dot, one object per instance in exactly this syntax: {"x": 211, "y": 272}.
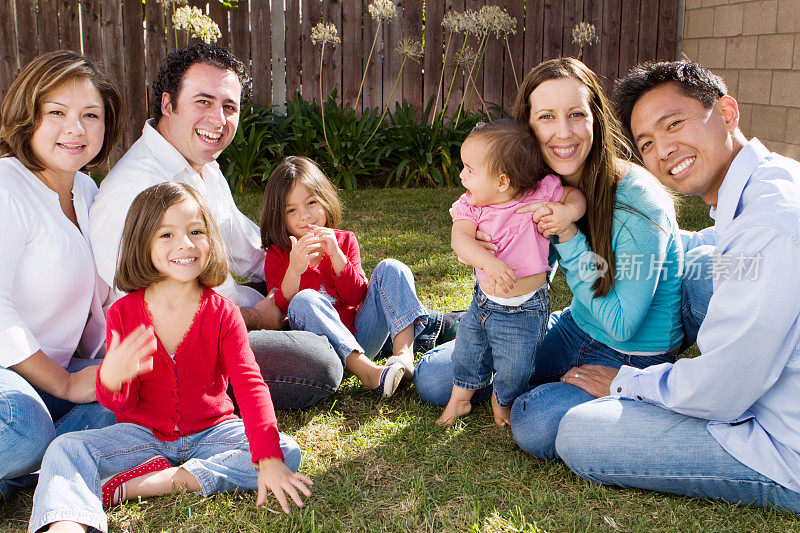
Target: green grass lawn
{"x": 385, "y": 466}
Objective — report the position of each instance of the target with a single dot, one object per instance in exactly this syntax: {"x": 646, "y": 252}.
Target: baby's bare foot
{"x": 454, "y": 409}
{"x": 502, "y": 415}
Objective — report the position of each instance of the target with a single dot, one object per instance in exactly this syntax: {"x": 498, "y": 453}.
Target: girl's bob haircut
{"x": 21, "y": 112}
{"x": 295, "y": 169}
{"x": 135, "y": 269}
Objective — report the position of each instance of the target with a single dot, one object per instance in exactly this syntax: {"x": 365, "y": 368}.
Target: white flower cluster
{"x": 584, "y": 34}
{"x": 382, "y": 10}
{"x": 465, "y": 58}
{"x": 196, "y": 23}
{"x": 170, "y": 2}
{"x": 410, "y": 48}
{"x": 487, "y": 19}
{"x": 325, "y": 32}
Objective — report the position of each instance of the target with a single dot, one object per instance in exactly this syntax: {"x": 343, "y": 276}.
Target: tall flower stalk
{"x": 324, "y": 33}
{"x": 584, "y": 34}
{"x": 381, "y": 11}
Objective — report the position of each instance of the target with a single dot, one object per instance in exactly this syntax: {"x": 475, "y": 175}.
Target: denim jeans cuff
{"x": 207, "y": 485}
{"x": 425, "y": 340}
{"x": 95, "y": 521}
{"x": 470, "y": 386}
{"x": 343, "y": 350}
{"x": 500, "y": 402}
{"x": 409, "y": 318}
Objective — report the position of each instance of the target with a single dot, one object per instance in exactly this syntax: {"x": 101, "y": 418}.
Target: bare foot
{"x": 67, "y": 527}
{"x": 455, "y": 408}
{"x": 502, "y": 415}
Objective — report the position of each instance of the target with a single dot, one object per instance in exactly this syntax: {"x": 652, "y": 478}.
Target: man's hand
{"x": 264, "y": 315}
{"x": 594, "y": 379}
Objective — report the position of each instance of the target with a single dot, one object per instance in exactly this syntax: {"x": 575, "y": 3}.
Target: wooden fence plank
{"x": 111, "y": 30}
{"x": 493, "y": 67}
{"x": 264, "y": 23}
{"x": 453, "y": 86}
{"x": 392, "y": 33}
{"x": 90, "y": 24}
{"x": 155, "y": 38}
{"x": 351, "y": 51}
{"x": 412, "y": 72}
{"x": 436, "y": 38}
{"x": 474, "y": 84}
{"x": 293, "y": 47}
{"x": 553, "y": 29}
{"x": 311, "y": 52}
{"x": 27, "y": 34}
{"x": 648, "y": 30}
{"x": 372, "y": 90}
{"x": 513, "y": 63}
{"x": 48, "y": 27}
{"x": 593, "y": 14}
{"x": 135, "y": 82}
{"x": 332, "y": 65}
{"x": 629, "y": 35}
{"x": 69, "y": 25}
{"x": 534, "y": 36}
{"x": 668, "y": 14}
{"x": 610, "y": 42}
{"x": 220, "y": 15}
{"x": 9, "y": 59}
{"x": 240, "y": 32}
{"x": 573, "y": 14}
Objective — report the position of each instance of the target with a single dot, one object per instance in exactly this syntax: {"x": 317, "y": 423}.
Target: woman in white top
{"x": 61, "y": 114}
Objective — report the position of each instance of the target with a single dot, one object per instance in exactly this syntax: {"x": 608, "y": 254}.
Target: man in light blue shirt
{"x": 726, "y": 424}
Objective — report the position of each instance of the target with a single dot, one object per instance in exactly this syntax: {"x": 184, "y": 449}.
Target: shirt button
{"x": 639, "y": 398}
{"x": 619, "y": 389}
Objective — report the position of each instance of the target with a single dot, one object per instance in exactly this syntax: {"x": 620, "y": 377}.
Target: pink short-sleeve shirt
{"x": 518, "y": 241}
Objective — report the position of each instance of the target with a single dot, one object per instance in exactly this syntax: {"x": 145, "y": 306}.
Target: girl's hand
{"x": 330, "y": 246}
{"x": 304, "y": 250}
{"x": 558, "y": 222}
{"x": 501, "y": 275}
{"x": 274, "y": 476}
{"x": 127, "y": 359}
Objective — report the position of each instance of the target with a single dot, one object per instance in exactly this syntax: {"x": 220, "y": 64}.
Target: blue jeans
{"x": 31, "y": 419}
{"x": 391, "y": 304}
{"x": 496, "y": 344}
{"x": 634, "y": 444}
{"x": 696, "y": 289}
{"x": 74, "y": 465}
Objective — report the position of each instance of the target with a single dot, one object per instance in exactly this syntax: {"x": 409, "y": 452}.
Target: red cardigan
{"x": 188, "y": 394}
{"x": 348, "y": 288}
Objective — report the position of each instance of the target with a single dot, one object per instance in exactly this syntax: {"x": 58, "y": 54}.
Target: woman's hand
{"x": 304, "y": 250}
{"x": 274, "y": 476}
{"x": 594, "y": 379}
{"x": 44, "y": 374}
{"x": 552, "y": 218}
{"x": 128, "y": 358}
{"x": 330, "y": 246}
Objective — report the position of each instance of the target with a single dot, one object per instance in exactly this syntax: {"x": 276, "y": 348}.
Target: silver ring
{"x": 577, "y": 374}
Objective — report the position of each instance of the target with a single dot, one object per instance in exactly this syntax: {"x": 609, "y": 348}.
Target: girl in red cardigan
{"x": 319, "y": 283}
{"x": 166, "y": 382}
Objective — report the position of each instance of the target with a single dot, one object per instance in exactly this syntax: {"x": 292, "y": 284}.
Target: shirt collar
{"x": 730, "y": 192}
{"x": 169, "y": 156}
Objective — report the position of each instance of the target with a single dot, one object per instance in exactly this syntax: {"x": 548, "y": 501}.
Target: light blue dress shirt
{"x": 747, "y": 380}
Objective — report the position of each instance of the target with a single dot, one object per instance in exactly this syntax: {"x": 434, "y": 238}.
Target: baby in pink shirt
{"x": 502, "y": 329}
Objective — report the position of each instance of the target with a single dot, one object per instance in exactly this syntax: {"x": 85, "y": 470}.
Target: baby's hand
{"x": 304, "y": 250}
{"x": 501, "y": 275}
{"x": 274, "y": 476}
{"x": 128, "y": 358}
{"x": 557, "y": 222}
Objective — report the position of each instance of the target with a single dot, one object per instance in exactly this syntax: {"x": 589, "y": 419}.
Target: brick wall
{"x": 755, "y": 46}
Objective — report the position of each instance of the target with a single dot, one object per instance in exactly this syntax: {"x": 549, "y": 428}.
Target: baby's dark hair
{"x": 694, "y": 80}
{"x": 511, "y": 149}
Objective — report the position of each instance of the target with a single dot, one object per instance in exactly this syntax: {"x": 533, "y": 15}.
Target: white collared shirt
{"x": 152, "y": 160}
{"x": 747, "y": 380}
{"x": 47, "y": 275}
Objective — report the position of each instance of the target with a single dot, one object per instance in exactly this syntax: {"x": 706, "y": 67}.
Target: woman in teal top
{"x": 623, "y": 261}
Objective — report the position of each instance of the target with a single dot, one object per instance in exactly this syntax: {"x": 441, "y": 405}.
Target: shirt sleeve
{"x": 252, "y": 393}
{"x": 693, "y": 239}
{"x": 549, "y": 190}
{"x": 620, "y": 312}
{"x": 128, "y": 397}
{"x": 245, "y": 255}
{"x": 462, "y": 210}
{"x": 743, "y": 339}
{"x": 351, "y": 283}
{"x": 17, "y": 341}
{"x": 275, "y": 266}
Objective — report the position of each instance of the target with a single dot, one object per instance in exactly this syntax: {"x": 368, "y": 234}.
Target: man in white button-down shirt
{"x": 196, "y": 100}
{"x": 725, "y": 424}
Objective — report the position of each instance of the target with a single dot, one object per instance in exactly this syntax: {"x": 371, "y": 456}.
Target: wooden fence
{"x": 272, "y": 36}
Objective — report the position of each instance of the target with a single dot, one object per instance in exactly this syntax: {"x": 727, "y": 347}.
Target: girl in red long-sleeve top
{"x": 166, "y": 381}
{"x": 315, "y": 271}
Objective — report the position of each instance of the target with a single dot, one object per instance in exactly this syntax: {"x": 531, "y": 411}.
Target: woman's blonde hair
{"x": 598, "y": 182}
{"x": 135, "y": 269}
{"x": 21, "y": 111}
{"x": 295, "y": 169}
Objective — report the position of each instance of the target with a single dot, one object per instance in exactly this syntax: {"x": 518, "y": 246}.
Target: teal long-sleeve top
{"x": 641, "y": 312}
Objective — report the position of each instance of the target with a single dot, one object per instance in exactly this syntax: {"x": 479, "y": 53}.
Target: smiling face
{"x": 562, "y": 121}
{"x": 180, "y": 247}
{"x": 686, "y": 146}
{"x": 71, "y": 131}
{"x": 201, "y": 124}
{"x": 302, "y": 209}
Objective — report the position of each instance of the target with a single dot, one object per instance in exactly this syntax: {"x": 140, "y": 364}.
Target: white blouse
{"x": 48, "y": 282}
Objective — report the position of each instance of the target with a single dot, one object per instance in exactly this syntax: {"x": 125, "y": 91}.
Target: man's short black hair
{"x": 170, "y": 76}
{"x": 693, "y": 80}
